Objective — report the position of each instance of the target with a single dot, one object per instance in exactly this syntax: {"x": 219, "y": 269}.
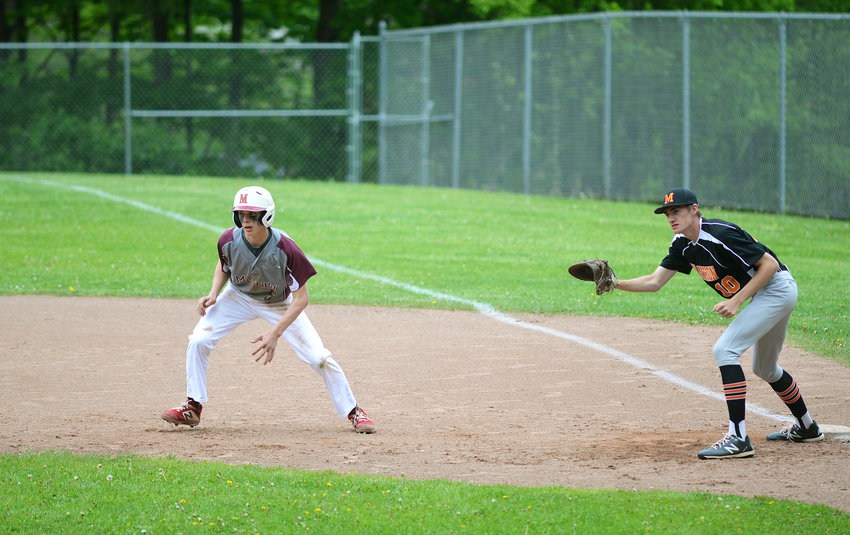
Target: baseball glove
{"x": 597, "y": 271}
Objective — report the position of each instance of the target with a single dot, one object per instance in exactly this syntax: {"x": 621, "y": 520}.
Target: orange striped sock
{"x": 788, "y": 391}
{"x": 790, "y": 394}
{"x": 734, "y": 391}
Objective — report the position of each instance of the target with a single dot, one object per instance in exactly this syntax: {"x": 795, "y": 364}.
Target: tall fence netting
{"x": 749, "y": 111}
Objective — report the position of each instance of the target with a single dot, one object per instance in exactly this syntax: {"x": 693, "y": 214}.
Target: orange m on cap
{"x": 668, "y": 198}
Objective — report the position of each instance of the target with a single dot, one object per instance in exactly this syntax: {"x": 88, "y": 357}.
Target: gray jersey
{"x": 279, "y": 269}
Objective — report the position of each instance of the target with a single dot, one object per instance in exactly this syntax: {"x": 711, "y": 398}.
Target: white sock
{"x": 806, "y": 420}
{"x": 742, "y": 427}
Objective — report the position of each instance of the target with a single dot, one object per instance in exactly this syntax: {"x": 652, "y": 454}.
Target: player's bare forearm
{"x": 268, "y": 340}
{"x": 218, "y": 282}
{"x": 766, "y": 268}
{"x": 300, "y": 299}
{"x": 647, "y": 283}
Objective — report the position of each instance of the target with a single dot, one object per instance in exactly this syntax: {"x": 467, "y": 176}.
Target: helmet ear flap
{"x": 267, "y": 217}
{"x": 237, "y": 220}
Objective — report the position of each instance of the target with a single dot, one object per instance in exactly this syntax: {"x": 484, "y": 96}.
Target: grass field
{"x": 123, "y": 237}
{"x": 507, "y": 250}
{"x": 58, "y": 492}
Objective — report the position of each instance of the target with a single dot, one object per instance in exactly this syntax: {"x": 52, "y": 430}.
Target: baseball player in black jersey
{"x": 261, "y": 273}
{"x": 738, "y": 267}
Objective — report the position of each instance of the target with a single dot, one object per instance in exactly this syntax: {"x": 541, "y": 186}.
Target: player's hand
{"x": 204, "y": 303}
{"x": 268, "y": 343}
{"x": 727, "y": 308}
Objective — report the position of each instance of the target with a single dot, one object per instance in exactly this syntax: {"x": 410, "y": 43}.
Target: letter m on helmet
{"x": 243, "y": 198}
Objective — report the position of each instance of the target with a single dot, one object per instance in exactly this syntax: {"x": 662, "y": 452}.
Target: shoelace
{"x": 359, "y": 416}
{"x": 722, "y": 441}
{"x": 791, "y": 428}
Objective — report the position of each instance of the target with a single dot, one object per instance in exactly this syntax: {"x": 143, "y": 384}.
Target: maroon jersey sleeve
{"x": 225, "y": 238}
{"x": 297, "y": 265}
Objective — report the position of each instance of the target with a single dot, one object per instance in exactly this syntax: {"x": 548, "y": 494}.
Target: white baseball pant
{"x": 231, "y": 309}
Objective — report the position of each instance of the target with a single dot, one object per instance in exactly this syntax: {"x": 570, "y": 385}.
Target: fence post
{"x": 354, "y": 111}
{"x": 686, "y": 100}
{"x": 782, "y": 60}
{"x": 458, "y": 106}
{"x": 128, "y": 131}
{"x": 526, "y": 114}
{"x": 606, "y": 127}
{"x": 382, "y": 103}
{"x": 427, "y": 106}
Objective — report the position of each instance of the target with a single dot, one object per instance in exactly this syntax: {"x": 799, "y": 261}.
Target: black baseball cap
{"x": 677, "y": 197}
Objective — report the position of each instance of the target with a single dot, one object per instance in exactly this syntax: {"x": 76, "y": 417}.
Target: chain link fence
{"x": 277, "y": 111}
{"x": 748, "y": 110}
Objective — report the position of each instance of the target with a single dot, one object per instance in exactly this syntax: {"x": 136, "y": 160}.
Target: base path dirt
{"x": 455, "y": 395}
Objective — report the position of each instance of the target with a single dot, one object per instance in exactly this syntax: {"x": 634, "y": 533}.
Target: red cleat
{"x": 361, "y": 422}
{"x": 189, "y": 413}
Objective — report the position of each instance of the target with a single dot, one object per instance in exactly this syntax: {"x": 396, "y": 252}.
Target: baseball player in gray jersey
{"x": 737, "y": 267}
{"x": 268, "y": 274}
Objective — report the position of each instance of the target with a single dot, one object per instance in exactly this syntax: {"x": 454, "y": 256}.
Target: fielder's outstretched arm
{"x": 648, "y": 283}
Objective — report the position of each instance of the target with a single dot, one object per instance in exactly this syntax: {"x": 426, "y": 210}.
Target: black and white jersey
{"x": 724, "y": 255}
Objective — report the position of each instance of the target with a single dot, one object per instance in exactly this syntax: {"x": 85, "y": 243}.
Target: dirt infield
{"x": 455, "y": 395}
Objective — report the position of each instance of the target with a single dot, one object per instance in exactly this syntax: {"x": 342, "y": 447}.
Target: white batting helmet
{"x": 253, "y": 199}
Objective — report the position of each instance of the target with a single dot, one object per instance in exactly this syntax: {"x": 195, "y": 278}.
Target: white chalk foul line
{"x": 483, "y": 308}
